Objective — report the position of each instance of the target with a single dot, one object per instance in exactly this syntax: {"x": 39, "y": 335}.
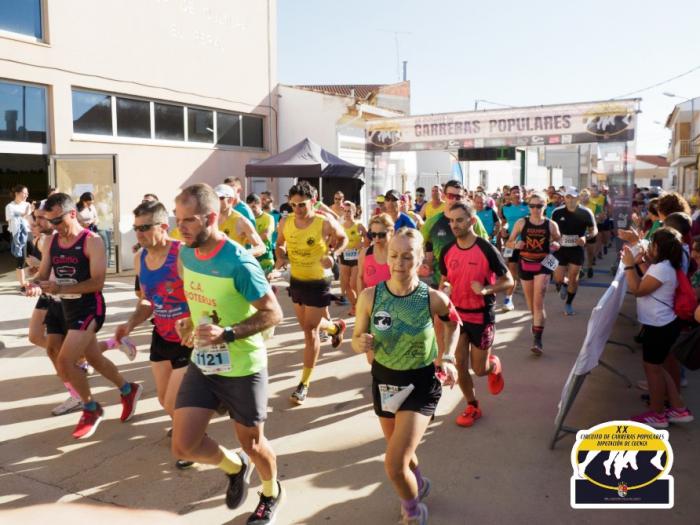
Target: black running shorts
{"x": 163, "y": 350}
{"x": 244, "y": 397}
{"x": 480, "y": 335}
{"x": 425, "y": 396}
{"x": 574, "y": 255}
{"x": 311, "y": 293}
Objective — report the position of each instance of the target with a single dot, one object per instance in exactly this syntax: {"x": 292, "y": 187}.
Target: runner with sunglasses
{"x": 163, "y": 300}
{"x": 310, "y": 242}
{"x": 392, "y": 208}
{"x": 373, "y": 266}
{"x": 511, "y": 213}
{"x": 77, "y": 258}
{"x": 338, "y": 204}
{"x": 535, "y": 236}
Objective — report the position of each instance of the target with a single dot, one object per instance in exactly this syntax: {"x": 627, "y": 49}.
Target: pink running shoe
{"x": 679, "y": 415}
{"x": 651, "y": 418}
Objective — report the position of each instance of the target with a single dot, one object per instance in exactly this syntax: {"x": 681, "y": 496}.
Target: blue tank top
{"x": 486, "y": 216}
{"x": 513, "y": 212}
{"x": 164, "y": 290}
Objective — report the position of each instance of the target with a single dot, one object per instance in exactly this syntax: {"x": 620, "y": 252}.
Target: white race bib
{"x": 214, "y": 361}
{"x": 351, "y": 255}
{"x": 569, "y": 241}
{"x": 67, "y": 281}
{"x": 550, "y": 262}
{"x": 392, "y": 397}
{"x": 507, "y": 252}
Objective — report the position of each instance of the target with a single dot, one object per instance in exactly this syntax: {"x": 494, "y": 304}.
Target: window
{"x": 21, "y": 16}
{"x": 228, "y": 129}
{"x": 200, "y": 125}
{"x": 170, "y": 122}
{"x": 133, "y": 118}
{"x": 22, "y": 113}
{"x": 252, "y": 132}
{"x": 92, "y": 113}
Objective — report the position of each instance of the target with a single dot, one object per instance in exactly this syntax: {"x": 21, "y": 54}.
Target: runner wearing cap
{"x": 391, "y": 204}
{"x": 512, "y": 212}
{"x": 556, "y": 200}
{"x": 238, "y": 204}
{"x": 576, "y": 224}
{"x": 309, "y": 242}
{"x": 435, "y": 205}
{"x": 535, "y": 236}
{"x": 234, "y": 224}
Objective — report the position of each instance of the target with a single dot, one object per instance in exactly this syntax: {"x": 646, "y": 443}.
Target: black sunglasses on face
{"x": 143, "y": 227}
{"x": 538, "y": 206}
{"x": 377, "y": 235}
{"x": 58, "y": 220}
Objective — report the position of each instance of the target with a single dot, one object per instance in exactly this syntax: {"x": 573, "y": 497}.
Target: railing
{"x": 684, "y": 148}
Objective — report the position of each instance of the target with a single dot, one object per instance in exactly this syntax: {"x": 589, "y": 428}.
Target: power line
{"x": 696, "y": 68}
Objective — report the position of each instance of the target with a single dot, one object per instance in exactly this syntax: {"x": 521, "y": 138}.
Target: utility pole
{"x": 396, "y": 42}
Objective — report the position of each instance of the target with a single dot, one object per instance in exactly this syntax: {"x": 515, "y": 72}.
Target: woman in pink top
{"x": 373, "y": 267}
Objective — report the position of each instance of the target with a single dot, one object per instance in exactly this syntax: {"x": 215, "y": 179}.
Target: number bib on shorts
{"x": 213, "y": 361}
{"x": 569, "y": 241}
{"x": 507, "y": 252}
{"x": 351, "y": 255}
{"x": 392, "y": 397}
{"x": 550, "y": 262}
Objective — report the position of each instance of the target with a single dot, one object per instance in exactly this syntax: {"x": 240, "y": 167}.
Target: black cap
{"x": 393, "y": 194}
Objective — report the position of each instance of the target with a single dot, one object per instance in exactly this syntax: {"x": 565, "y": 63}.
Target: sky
{"x": 511, "y": 52}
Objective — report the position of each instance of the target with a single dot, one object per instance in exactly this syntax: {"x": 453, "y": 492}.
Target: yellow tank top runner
{"x": 431, "y": 210}
{"x": 229, "y": 227}
{"x": 305, "y": 248}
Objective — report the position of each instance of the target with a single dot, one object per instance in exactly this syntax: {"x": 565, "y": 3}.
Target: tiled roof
{"x": 656, "y": 160}
{"x": 362, "y": 91}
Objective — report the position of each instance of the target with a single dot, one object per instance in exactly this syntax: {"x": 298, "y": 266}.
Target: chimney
{"x": 405, "y": 66}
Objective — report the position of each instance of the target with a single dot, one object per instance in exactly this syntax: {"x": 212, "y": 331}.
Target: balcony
{"x": 682, "y": 148}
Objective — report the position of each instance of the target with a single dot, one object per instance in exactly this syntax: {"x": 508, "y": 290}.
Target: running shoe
{"x": 564, "y": 292}
{"x": 679, "y": 415}
{"x": 652, "y": 419}
{"x": 337, "y": 338}
{"x": 568, "y": 309}
{"x": 238, "y": 483}
{"x": 424, "y": 491}
{"x": 469, "y": 416}
{"x": 69, "y": 405}
{"x": 323, "y": 336}
{"x": 182, "y": 464}
{"x": 507, "y": 306}
{"x": 536, "y": 347}
{"x": 88, "y": 423}
{"x": 495, "y": 377}
{"x": 129, "y": 348}
{"x": 420, "y": 518}
{"x": 129, "y": 402}
{"x": 342, "y": 301}
{"x": 299, "y": 395}
{"x": 265, "y": 513}
{"x": 589, "y": 273}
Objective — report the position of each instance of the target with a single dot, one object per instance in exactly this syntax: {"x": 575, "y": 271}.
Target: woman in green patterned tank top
{"x": 394, "y": 327}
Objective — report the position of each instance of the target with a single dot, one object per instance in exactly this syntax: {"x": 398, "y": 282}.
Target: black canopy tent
{"x": 309, "y": 161}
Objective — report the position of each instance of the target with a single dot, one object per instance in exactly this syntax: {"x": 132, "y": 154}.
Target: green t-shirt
{"x": 402, "y": 327}
{"x": 223, "y": 284}
{"x": 438, "y": 234}
{"x": 655, "y": 226}
{"x": 263, "y": 223}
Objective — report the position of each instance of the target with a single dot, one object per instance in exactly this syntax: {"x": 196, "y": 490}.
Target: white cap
{"x": 570, "y": 190}
{"x": 224, "y": 190}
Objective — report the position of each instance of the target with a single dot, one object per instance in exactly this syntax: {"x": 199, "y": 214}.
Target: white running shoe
{"x": 129, "y": 348}
{"x": 69, "y": 405}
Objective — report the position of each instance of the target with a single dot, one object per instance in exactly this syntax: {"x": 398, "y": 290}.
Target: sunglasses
{"x": 538, "y": 206}
{"x": 58, "y": 220}
{"x": 143, "y": 228}
{"x": 300, "y": 204}
{"x": 377, "y": 235}
{"x": 454, "y": 196}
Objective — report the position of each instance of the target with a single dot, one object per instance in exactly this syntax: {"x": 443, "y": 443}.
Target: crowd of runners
{"x": 424, "y": 280}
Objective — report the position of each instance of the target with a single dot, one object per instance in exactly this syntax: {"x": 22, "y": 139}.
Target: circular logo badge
{"x": 382, "y": 321}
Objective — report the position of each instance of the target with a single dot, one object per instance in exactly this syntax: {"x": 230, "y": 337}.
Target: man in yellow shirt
{"x": 310, "y": 242}
{"x": 435, "y": 205}
{"x": 235, "y": 225}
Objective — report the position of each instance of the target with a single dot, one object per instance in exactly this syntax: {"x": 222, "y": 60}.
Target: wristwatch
{"x": 229, "y": 336}
{"x": 448, "y": 359}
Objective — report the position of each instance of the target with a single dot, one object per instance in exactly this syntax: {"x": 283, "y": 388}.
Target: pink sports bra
{"x": 374, "y": 272}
